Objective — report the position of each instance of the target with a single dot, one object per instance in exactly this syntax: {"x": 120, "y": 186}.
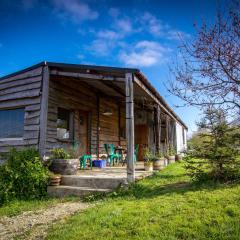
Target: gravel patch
{"x": 33, "y": 225}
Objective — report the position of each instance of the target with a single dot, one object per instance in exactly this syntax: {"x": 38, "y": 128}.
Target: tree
{"x": 208, "y": 72}
{"x": 217, "y": 147}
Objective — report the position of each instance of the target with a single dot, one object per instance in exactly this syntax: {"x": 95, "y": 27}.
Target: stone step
{"x": 64, "y": 191}
{"x": 92, "y": 182}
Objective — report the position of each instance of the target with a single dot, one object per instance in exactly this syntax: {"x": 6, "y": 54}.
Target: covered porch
{"x": 87, "y": 182}
{"x": 89, "y": 106}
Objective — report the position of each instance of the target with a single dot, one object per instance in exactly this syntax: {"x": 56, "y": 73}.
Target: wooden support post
{"x": 119, "y": 123}
{"x": 175, "y": 135}
{"x": 44, "y": 111}
{"x": 158, "y": 128}
{"x": 130, "y": 127}
{"x": 167, "y": 132}
{"x": 98, "y": 124}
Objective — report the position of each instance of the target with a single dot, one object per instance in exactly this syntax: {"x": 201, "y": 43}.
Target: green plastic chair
{"x": 83, "y": 161}
{"x": 136, "y": 152}
{"x": 110, "y": 150}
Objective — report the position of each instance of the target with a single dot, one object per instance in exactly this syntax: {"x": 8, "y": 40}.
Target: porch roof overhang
{"x": 110, "y": 79}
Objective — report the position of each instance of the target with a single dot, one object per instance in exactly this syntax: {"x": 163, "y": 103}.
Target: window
{"x": 63, "y": 124}
{"x": 12, "y": 123}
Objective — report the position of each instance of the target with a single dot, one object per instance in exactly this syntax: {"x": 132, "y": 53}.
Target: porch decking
{"x": 97, "y": 180}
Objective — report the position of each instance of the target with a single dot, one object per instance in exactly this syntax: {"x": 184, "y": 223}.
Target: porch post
{"x": 158, "y": 128}
{"x": 167, "y": 131}
{"x": 130, "y": 127}
{"x": 44, "y": 111}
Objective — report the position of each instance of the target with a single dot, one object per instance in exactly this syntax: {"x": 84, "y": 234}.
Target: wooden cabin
{"x": 53, "y": 105}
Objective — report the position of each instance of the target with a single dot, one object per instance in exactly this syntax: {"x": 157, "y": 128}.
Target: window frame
{"x": 15, "y": 138}
{"x": 71, "y": 125}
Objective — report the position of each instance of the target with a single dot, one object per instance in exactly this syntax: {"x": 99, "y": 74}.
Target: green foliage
{"x": 170, "y": 150}
{"x": 159, "y": 154}
{"x": 214, "y": 149}
{"x": 148, "y": 155}
{"x": 23, "y": 176}
{"x": 60, "y": 153}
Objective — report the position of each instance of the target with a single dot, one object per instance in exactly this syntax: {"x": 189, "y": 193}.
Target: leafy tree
{"x": 217, "y": 146}
{"x": 208, "y": 69}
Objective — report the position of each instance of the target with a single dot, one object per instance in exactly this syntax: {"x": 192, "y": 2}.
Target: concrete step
{"x": 64, "y": 191}
{"x": 92, "y": 182}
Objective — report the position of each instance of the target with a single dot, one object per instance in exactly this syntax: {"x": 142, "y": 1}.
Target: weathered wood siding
{"x": 75, "y": 95}
{"x": 23, "y": 91}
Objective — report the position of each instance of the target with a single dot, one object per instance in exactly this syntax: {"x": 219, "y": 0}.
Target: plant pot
{"x": 148, "y": 166}
{"x": 159, "y": 164}
{"x": 178, "y": 157}
{"x": 55, "y": 180}
{"x": 64, "y": 166}
{"x": 171, "y": 159}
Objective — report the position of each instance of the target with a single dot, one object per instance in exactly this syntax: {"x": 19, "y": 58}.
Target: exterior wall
{"x": 180, "y": 130}
{"x": 74, "y": 95}
{"x": 23, "y": 91}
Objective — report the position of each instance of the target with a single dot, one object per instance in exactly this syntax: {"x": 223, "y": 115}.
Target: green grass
{"x": 16, "y": 207}
{"x": 164, "y": 206}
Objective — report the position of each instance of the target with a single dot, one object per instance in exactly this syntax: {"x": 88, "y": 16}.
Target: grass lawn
{"x": 16, "y": 207}
{"x": 165, "y": 206}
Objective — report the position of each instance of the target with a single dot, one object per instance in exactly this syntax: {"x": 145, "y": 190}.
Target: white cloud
{"x": 144, "y": 54}
{"x": 75, "y": 10}
{"x": 100, "y": 47}
{"x": 152, "y": 24}
{"x": 124, "y": 25}
{"x": 109, "y": 34}
{"x": 159, "y": 29}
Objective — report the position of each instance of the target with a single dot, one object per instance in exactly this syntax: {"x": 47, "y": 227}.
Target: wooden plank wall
{"x": 109, "y": 127}
{"x": 75, "y": 95}
{"x": 23, "y": 91}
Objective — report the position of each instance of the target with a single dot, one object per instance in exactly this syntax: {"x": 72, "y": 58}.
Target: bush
{"x": 215, "y": 149}
{"x": 23, "y": 176}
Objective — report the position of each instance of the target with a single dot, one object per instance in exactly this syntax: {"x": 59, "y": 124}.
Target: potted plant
{"x": 62, "y": 163}
{"x": 159, "y": 161}
{"x": 55, "y": 179}
{"x": 148, "y": 160}
{"x": 178, "y": 156}
{"x": 171, "y": 154}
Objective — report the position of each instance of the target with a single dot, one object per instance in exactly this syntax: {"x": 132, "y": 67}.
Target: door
{"x": 141, "y": 138}
{"x": 83, "y": 132}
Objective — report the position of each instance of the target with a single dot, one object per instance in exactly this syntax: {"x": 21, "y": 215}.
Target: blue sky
{"x": 142, "y": 34}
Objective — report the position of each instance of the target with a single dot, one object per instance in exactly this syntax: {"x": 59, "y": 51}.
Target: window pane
{"x": 12, "y": 123}
{"x": 63, "y": 123}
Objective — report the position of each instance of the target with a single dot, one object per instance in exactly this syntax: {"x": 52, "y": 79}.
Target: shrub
{"x": 215, "y": 149}
{"x": 23, "y": 176}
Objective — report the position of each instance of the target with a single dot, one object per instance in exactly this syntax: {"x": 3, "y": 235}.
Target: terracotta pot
{"x": 55, "y": 181}
{"x": 178, "y": 157}
{"x": 171, "y": 159}
{"x": 159, "y": 164}
{"x": 148, "y": 166}
{"x": 64, "y": 166}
